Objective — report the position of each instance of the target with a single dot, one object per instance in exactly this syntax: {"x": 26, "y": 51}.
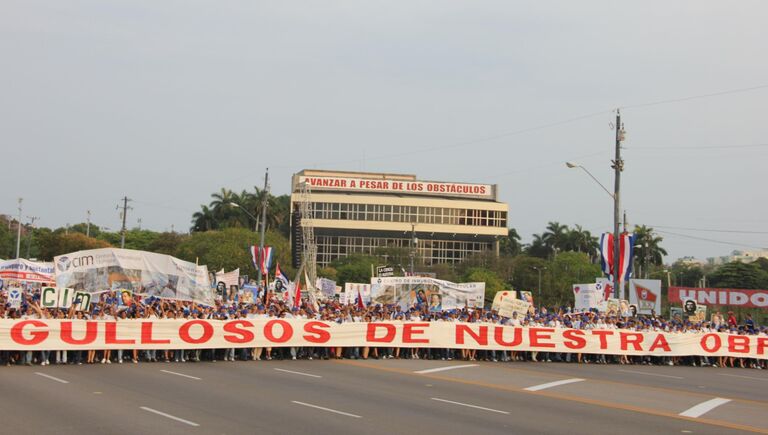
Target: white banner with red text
{"x": 45, "y": 334}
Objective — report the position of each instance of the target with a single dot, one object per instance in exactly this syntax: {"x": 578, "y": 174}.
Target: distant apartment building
{"x": 742, "y": 256}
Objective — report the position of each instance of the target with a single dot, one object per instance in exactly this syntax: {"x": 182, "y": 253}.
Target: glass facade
{"x": 331, "y": 247}
{"x": 410, "y": 214}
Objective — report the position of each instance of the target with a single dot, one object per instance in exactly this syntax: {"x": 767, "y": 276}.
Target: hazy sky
{"x": 168, "y": 101}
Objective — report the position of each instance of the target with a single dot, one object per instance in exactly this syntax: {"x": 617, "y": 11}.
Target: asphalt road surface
{"x": 381, "y": 397}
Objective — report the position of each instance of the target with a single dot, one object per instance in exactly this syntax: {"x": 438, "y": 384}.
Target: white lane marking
{"x": 53, "y": 378}
{"x": 325, "y": 409}
{"x": 704, "y": 407}
{"x": 553, "y": 384}
{"x": 470, "y": 406}
{"x": 442, "y": 369}
{"x": 299, "y": 373}
{"x": 744, "y": 377}
{"x": 172, "y": 417}
{"x": 651, "y": 374}
{"x": 181, "y": 374}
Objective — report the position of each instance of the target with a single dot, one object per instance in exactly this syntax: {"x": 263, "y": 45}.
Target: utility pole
{"x": 264, "y": 202}
{"x": 625, "y": 221}
{"x": 414, "y": 242}
{"x": 32, "y": 220}
{"x": 539, "y": 269}
{"x": 88, "y": 223}
{"x": 618, "y": 166}
{"x": 124, "y": 216}
{"x": 18, "y": 231}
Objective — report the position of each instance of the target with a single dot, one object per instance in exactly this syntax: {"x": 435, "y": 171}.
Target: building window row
{"x": 410, "y": 214}
{"x": 428, "y": 252}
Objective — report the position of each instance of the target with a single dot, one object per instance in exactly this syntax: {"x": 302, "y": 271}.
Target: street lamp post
{"x": 576, "y": 165}
{"x": 18, "y": 231}
{"x": 414, "y": 242}
{"x": 539, "y": 269}
{"x": 255, "y": 219}
{"x": 618, "y": 167}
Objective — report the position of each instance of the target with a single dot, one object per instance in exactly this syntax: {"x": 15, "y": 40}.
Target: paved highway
{"x": 378, "y": 397}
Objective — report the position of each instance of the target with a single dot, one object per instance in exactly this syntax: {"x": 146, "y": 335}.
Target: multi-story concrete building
{"x": 358, "y": 212}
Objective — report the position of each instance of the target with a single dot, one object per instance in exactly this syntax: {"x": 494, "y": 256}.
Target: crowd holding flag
{"x": 297, "y": 295}
{"x": 281, "y": 277}
{"x": 360, "y": 303}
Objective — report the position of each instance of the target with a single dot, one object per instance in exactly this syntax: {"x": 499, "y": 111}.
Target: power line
{"x": 709, "y": 240}
{"x": 702, "y": 147}
{"x": 709, "y": 230}
{"x": 695, "y": 97}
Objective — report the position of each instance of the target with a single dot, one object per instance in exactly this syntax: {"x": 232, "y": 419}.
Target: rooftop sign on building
{"x": 350, "y": 184}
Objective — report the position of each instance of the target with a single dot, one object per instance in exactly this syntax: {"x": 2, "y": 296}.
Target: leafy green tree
{"x": 57, "y": 243}
{"x": 167, "y": 243}
{"x": 230, "y": 249}
{"x": 328, "y": 272}
{"x": 525, "y": 277}
{"x": 354, "y": 268}
{"x": 394, "y": 256}
{"x": 7, "y": 241}
{"x": 493, "y": 282}
{"x": 739, "y": 275}
{"x": 567, "y": 269}
{"x": 686, "y": 274}
{"x": 648, "y": 250}
{"x": 762, "y": 263}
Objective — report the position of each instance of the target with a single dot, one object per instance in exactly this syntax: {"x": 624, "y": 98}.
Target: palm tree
{"x": 538, "y": 247}
{"x": 556, "y": 237}
{"x": 281, "y": 213}
{"x": 648, "y": 248}
{"x": 581, "y": 240}
{"x": 510, "y": 245}
{"x": 204, "y": 220}
{"x": 221, "y": 199}
{"x": 226, "y": 215}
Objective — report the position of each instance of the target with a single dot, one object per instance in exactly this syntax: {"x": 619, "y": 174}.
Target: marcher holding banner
{"x": 407, "y": 291}
{"x": 144, "y": 273}
{"x": 184, "y": 330}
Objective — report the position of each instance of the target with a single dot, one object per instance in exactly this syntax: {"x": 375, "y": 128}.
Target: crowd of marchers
{"x": 109, "y": 307}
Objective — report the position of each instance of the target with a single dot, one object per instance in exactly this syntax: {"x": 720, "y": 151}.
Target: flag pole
{"x": 264, "y": 203}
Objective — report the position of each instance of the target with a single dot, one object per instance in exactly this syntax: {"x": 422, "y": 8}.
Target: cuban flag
{"x": 262, "y": 258}
{"x": 297, "y": 296}
{"x": 360, "y": 304}
{"x": 281, "y": 276}
{"x": 255, "y": 256}
{"x": 606, "y": 254}
{"x": 626, "y": 254}
{"x": 266, "y": 258}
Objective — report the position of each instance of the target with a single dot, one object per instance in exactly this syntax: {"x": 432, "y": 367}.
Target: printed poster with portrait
{"x": 510, "y": 306}
{"x": 412, "y": 291}
{"x": 144, "y": 273}
{"x": 500, "y": 296}
{"x": 352, "y": 289}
